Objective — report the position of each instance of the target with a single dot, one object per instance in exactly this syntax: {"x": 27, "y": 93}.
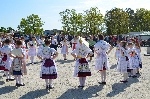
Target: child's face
{"x": 118, "y": 42}
{"x": 42, "y": 38}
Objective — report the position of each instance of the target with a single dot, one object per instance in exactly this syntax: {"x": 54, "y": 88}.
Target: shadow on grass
{"x": 120, "y": 87}
{"x": 35, "y": 94}
{"x": 90, "y": 92}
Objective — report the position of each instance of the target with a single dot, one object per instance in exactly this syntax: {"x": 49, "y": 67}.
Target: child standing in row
{"x": 7, "y": 60}
{"x": 32, "y": 49}
{"x": 123, "y": 62}
{"x": 18, "y": 68}
{"x": 48, "y": 68}
{"x": 81, "y": 53}
{"x": 64, "y": 49}
{"x": 102, "y": 48}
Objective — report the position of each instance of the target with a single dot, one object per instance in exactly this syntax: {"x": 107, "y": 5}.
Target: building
{"x": 52, "y": 32}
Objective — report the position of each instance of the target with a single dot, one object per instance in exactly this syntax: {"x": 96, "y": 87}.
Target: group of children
{"x": 129, "y": 58}
{"x": 13, "y": 58}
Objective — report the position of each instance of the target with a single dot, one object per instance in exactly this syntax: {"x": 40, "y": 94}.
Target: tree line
{"x": 91, "y": 22}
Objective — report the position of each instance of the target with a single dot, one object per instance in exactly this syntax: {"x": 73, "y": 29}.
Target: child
{"x": 81, "y": 53}
{"x": 32, "y": 49}
{"x": 48, "y": 68}
{"x": 123, "y": 61}
{"x": 41, "y": 43}
{"x": 6, "y": 49}
{"x": 54, "y": 43}
{"x": 64, "y": 49}
{"x": 102, "y": 48}
{"x": 17, "y": 68}
{"x": 138, "y": 50}
{"x": 133, "y": 59}
{"x": 117, "y": 53}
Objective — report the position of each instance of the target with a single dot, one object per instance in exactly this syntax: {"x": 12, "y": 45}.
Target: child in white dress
{"x": 138, "y": 50}
{"x": 117, "y": 53}
{"x": 133, "y": 59}
{"x": 48, "y": 68}
{"x": 32, "y": 49}
{"x": 123, "y": 61}
{"x": 102, "y": 48}
{"x": 17, "y": 68}
{"x": 6, "y": 50}
{"x": 64, "y": 49}
{"x": 81, "y": 53}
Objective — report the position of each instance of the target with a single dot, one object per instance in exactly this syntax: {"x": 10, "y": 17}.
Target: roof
{"x": 145, "y": 33}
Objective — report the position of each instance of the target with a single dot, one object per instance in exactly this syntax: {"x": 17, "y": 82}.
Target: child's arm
{"x": 110, "y": 49}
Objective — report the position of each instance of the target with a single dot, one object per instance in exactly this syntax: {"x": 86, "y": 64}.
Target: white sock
{"x": 46, "y": 81}
{"x": 80, "y": 80}
{"x": 101, "y": 75}
{"x": 125, "y": 76}
{"x": 7, "y": 74}
{"x": 134, "y": 71}
{"x": 16, "y": 78}
{"x": 50, "y": 82}
{"x": 19, "y": 79}
{"x": 83, "y": 81}
{"x": 32, "y": 59}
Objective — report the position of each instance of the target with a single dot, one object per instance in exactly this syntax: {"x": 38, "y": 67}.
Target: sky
{"x": 12, "y": 11}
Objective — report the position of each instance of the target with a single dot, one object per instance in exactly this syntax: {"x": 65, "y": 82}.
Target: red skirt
{"x": 83, "y": 74}
{"x": 74, "y": 46}
{"x": 2, "y": 68}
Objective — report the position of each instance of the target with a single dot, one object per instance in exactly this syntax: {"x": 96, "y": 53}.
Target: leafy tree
{"x": 117, "y": 21}
{"x": 32, "y": 24}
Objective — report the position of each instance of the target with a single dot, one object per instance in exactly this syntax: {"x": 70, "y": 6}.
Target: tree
{"x": 117, "y": 21}
{"x": 32, "y": 24}
{"x": 3, "y": 29}
{"x": 94, "y": 20}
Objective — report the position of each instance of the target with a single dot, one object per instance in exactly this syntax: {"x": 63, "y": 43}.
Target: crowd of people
{"x": 13, "y": 51}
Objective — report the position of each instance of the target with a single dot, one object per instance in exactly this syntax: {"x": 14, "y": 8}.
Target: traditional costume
{"x": 117, "y": 53}
{"x": 101, "y": 62}
{"x": 74, "y": 43}
{"x": 32, "y": 50}
{"x": 82, "y": 68}
{"x": 48, "y": 68}
{"x": 64, "y": 49}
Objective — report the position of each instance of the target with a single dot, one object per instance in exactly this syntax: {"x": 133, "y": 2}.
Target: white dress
{"x": 123, "y": 62}
{"x": 6, "y": 50}
{"x": 82, "y": 68}
{"x": 32, "y": 48}
{"x": 101, "y": 62}
{"x": 117, "y": 53}
{"x": 133, "y": 59}
{"x": 41, "y": 45}
{"x": 64, "y": 47}
{"x": 48, "y": 67}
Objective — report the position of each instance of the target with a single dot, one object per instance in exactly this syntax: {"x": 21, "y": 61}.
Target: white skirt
{"x": 123, "y": 64}
{"x": 32, "y": 51}
{"x": 101, "y": 61}
{"x": 63, "y": 50}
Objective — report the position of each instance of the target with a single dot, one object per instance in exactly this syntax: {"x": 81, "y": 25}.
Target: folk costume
{"x": 123, "y": 63}
{"x": 101, "y": 62}
{"x": 32, "y": 50}
{"x": 18, "y": 69}
{"x": 82, "y": 68}
{"x": 64, "y": 49}
{"x": 74, "y": 43}
{"x": 48, "y": 67}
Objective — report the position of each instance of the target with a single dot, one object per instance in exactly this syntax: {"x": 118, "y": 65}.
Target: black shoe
{"x": 124, "y": 81}
{"x": 7, "y": 80}
{"x": 80, "y": 86}
{"x": 102, "y": 83}
{"x": 134, "y": 76}
{"x": 17, "y": 84}
{"x": 12, "y": 79}
{"x": 21, "y": 84}
{"x": 4, "y": 75}
{"x": 130, "y": 76}
{"x": 65, "y": 59}
{"x": 47, "y": 87}
{"x": 51, "y": 87}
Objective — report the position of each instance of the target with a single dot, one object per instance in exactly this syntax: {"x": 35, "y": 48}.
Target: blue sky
{"x": 13, "y": 10}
